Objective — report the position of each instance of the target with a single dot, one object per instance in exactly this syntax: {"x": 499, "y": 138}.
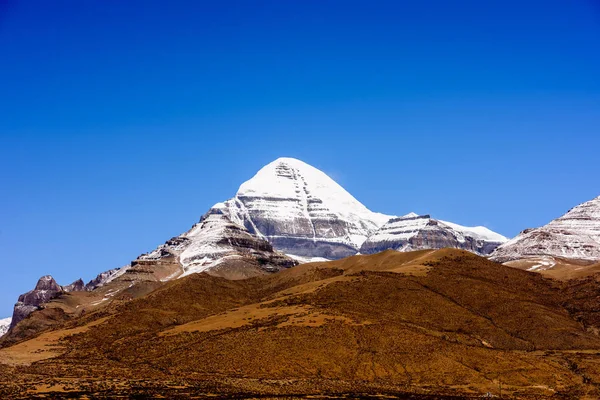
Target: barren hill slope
{"x": 429, "y": 322}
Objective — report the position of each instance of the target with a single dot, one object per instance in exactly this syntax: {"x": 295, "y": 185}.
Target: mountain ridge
{"x": 414, "y": 232}
{"x": 287, "y": 212}
{"x": 574, "y": 235}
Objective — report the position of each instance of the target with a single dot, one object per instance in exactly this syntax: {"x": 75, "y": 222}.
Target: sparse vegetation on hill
{"x": 431, "y": 323}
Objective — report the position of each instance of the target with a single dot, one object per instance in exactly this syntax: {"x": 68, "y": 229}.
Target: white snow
{"x": 541, "y": 263}
{"x": 270, "y": 183}
{"x": 305, "y": 260}
{"x": 4, "y": 325}
{"x": 402, "y": 228}
{"x": 111, "y": 293}
{"x": 411, "y": 224}
{"x": 410, "y": 215}
{"x": 204, "y": 249}
{"x": 478, "y": 232}
{"x": 112, "y": 276}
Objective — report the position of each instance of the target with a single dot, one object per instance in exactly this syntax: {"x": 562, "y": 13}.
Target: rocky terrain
{"x": 216, "y": 244}
{"x": 574, "y": 236}
{"x": 414, "y": 232}
{"x": 45, "y": 290}
{"x": 423, "y": 324}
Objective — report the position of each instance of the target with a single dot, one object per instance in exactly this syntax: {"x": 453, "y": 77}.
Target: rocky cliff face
{"x": 216, "y": 241}
{"x": 77, "y": 286}
{"x": 105, "y": 277}
{"x": 301, "y": 211}
{"x": 416, "y": 232}
{"x": 45, "y": 290}
{"x": 575, "y": 235}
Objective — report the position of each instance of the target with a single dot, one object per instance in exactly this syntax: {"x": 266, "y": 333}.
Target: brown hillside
{"x": 427, "y": 322}
{"x": 557, "y": 268}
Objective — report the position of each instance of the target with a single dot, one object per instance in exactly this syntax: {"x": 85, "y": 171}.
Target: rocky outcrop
{"x": 77, "y": 286}
{"x": 45, "y": 290}
{"x": 104, "y": 277}
{"x": 575, "y": 236}
{"x": 214, "y": 241}
{"x": 416, "y": 232}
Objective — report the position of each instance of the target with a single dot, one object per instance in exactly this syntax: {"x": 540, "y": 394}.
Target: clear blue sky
{"x": 121, "y": 122}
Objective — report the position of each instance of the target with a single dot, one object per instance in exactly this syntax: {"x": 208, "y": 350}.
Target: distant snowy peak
{"x": 4, "y": 325}
{"x": 302, "y": 211}
{"x": 478, "y": 232}
{"x": 575, "y": 235}
{"x": 416, "y": 232}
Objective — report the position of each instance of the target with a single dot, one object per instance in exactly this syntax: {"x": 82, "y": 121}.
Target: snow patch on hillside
{"x": 4, "y": 325}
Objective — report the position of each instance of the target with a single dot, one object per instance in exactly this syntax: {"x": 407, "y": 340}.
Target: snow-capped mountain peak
{"x": 575, "y": 235}
{"x": 302, "y": 211}
{"x": 288, "y": 178}
{"x": 410, "y": 215}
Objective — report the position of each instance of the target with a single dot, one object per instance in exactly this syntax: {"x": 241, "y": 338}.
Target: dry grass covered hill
{"x": 429, "y": 323}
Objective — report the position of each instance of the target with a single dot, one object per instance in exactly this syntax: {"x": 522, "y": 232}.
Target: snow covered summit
{"x": 302, "y": 211}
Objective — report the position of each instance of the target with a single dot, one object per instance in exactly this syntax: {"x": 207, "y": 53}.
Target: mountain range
{"x": 305, "y": 214}
{"x": 289, "y": 212}
{"x": 294, "y": 278}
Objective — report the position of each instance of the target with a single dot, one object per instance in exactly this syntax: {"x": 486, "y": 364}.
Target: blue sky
{"x": 122, "y": 122}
